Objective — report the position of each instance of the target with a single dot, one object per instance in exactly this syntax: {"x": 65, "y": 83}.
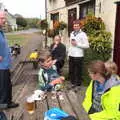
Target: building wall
{"x": 12, "y": 21}
{"x": 55, "y": 6}
{"x": 108, "y": 14}
{"x": 106, "y": 9}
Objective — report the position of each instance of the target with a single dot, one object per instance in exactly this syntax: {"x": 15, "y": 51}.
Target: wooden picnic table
{"x": 68, "y": 100}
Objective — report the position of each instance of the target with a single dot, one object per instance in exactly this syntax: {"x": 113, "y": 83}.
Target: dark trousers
{"x": 59, "y": 65}
{"x": 5, "y": 87}
{"x": 75, "y": 70}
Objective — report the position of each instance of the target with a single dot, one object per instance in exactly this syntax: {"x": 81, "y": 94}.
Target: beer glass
{"x": 30, "y": 104}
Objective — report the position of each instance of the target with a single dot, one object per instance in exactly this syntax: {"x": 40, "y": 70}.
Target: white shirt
{"x": 82, "y": 43}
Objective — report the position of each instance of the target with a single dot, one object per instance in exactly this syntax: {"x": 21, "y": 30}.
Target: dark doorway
{"x": 116, "y": 52}
{"x": 55, "y": 18}
{"x": 72, "y": 15}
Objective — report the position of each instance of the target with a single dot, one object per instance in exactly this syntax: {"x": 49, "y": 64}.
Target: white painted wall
{"x": 108, "y": 14}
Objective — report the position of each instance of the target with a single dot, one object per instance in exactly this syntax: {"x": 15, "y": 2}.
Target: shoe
{"x": 12, "y": 105}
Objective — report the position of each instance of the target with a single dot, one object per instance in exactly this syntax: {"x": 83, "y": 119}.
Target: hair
{"x": 44, "y": 54}
{"x": 58, "y": 36}
{"x": 111, "y": 67}
{"x": 76, "y": 22}
{"x": 97, "y": 66}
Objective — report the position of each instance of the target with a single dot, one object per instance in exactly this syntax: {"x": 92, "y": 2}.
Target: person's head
{"x": 57, "y": 39}
{"x": 111, "y": 67}
{"x": 45, "y": 59}
{"x": 2, "y": 18}
{"x": 77, "y": 25}
{"x": 97, "y": 70}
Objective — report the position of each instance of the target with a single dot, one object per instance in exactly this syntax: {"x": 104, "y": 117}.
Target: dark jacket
{"x": 59, "y": 52}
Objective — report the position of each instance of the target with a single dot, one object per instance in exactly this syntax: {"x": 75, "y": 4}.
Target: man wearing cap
{"x": 78, "y": 42}
{"x": 5, "y": 63}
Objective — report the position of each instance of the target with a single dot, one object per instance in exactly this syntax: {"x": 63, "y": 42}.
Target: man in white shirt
{"x": 78, "y": 42}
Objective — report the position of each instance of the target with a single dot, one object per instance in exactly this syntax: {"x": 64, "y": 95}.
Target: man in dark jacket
{"x": 58, "y": 51}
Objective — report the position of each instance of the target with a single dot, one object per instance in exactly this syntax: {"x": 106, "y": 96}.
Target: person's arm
{"x": 58, "y": 80}
{"x": 1, "y": 58}
{"x": 84, "y": 43}
{"x": 110, "y": 103}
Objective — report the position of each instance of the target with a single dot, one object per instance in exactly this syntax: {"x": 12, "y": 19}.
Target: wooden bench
{"x": 70, "y": 101}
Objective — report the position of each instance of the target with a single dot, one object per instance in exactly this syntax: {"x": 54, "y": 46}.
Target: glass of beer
{"x": 30, "y": 104}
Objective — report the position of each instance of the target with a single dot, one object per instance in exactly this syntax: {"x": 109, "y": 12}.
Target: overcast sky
{"x": 27, "y": 8}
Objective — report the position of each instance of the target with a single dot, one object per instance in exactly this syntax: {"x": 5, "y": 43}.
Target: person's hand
{"x": 74, "y": 43}
{"x": 55, "y": 45}
{"x": 54, "y": 61}
{"x": 1, "y": 58}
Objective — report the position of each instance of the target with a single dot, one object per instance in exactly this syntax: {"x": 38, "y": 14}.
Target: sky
{"x": 26, "y": 8}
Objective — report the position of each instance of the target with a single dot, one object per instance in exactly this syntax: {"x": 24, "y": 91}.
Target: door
{"x": 116, "y": 52}
{"x": 72, "y": 14}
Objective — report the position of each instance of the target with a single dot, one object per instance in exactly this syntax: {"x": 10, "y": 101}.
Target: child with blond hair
{"x": 111, "y": 68}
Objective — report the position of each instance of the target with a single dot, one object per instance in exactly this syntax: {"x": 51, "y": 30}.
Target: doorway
{"x": 116, "y": 52}
{"x": 72, "y": 15}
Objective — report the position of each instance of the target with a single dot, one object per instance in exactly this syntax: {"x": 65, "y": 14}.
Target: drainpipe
{"x": 46, "y": 20}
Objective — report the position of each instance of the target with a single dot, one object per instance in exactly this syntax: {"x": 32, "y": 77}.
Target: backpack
{"x": 57, "y": 114}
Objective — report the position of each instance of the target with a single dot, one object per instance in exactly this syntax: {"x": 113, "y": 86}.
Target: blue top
{"x": 4, "y": 52}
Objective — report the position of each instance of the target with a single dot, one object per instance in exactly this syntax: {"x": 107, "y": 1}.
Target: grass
{"x": 20, "y": 39}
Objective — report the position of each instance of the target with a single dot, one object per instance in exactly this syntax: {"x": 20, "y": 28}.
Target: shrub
{"x": 92, "y": 24}
{"x": 99, "y": 38}
{"x": 52, "y": 32}
{"x": 57, "y": 26}
{"x": 62, "y": 25}
{"x": 100, "y": 43}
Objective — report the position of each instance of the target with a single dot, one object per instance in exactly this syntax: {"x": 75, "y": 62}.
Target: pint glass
{"x": 30, "y": 105}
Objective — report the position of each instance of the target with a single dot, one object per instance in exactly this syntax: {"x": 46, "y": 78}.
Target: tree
{"x": 33, "y": 22}
{"x": 20, "y": 21}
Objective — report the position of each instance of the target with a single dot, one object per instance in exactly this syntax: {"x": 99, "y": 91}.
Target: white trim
{"x": 83, "y": 2}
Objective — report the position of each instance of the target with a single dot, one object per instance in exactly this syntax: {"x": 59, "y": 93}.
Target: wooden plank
{"x": 41, "y": 109}
{"x": 16, "y": 92}
{"x": 77, "y": 107}
{"x": 52, "y": 100}
{"x": 28, "y": 88}
{"x": 65, "y": 104}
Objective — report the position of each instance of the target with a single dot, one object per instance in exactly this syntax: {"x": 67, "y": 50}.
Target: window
{"x": 55, "y": 16}
{"x": 86, "y": 8}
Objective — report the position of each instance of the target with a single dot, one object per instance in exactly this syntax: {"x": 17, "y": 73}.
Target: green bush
{"x": 92, "y": 24}
{"x": 99, "y": 38}
{"x": 100, "y": 43}
{"x": 62, "y": 25}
